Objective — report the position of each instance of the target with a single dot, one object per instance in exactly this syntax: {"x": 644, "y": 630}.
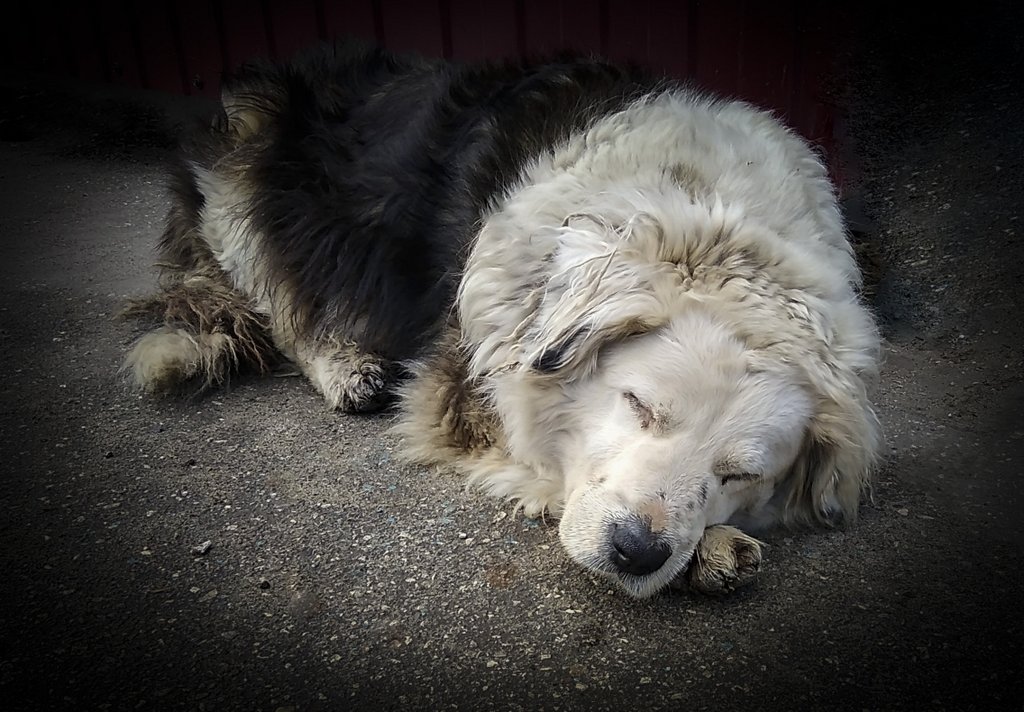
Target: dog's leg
{"x": 725, "y": 560}
{"x": 347, "y": 377}
{"x": 209, "y": 331}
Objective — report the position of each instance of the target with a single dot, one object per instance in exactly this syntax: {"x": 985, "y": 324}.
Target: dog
{"x": 609, "y": 298}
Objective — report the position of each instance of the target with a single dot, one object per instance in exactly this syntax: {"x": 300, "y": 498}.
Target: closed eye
{"x": 643, "y": 411}
{"x": 740, "y": 477}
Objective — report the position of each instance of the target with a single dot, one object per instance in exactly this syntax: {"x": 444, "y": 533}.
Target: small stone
{"x": 903, "y": 511}
{"x": 202, "y": 549}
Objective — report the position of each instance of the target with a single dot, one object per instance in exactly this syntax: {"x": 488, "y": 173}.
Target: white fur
{"x": 693, "y": 255}
{"x": 227, "y": 230}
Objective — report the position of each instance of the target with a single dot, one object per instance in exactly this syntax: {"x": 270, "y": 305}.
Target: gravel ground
{"x": 249, "y": 550}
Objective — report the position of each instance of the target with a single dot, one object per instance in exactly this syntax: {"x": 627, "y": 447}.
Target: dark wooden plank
{"x": 581, "y": 25}
{"x": 200, "y": 45}
{"x": 768, "y": 54}
{"x": 161, "y": 63}
{"x": 84, "y": 48}
{"x": 669, "y": 44}
{"x": 719, "y": 30}
{"x": 292, "y": 26}
{"x": 412, "y": 26}
{"x": 120, "y": 42}
{"x": 542, "y": 27}
{"x": 482, "y": 31}
{"x": 349, "y": 19}
{"x": 245, "y": 31}
{"x": 629, "y": 31}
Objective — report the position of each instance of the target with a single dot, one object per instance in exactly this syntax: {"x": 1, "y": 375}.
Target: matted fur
{"x": 617, "y": 301}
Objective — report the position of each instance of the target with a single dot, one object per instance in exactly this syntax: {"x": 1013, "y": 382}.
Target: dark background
{"x": 337, "y": 577}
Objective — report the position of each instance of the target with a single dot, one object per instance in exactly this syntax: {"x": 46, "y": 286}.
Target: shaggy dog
{"x": 612, "y": 299}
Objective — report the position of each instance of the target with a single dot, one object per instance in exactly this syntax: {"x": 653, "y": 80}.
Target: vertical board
{"x": 121, "y": 43}
{"x": 79, "y": 32}
{"x": 542, "y": 27}
{"x": 629, "y": 31}
{"x": 349, "y": 19}
{"x": 554, "y": 25}
{"x": 719, "y": 32}
{"x": 35, "y": 43}
{"x": 669, "y": 45}
{"x": 767, "y": 55}
{"x": 245, "y": 32}
{"x": 777, "y": 55}
{"x": 580, "y": 22}
{"x": 291, "y": 26}
{"x": 651, "y": 33}
{"x": 200, "y": 46}
{"x": 161, "y": 65}
{"x": 481, "y": 31}
{"x": 412, "y": 26}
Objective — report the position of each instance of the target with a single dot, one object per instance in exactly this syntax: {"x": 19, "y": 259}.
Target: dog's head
{"x": 677, "y": 429}
{"x": 670, "y": 374}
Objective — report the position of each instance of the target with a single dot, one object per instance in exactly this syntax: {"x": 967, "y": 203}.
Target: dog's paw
{"x": 353, "y": 386}
{"x": 725, "y": 559}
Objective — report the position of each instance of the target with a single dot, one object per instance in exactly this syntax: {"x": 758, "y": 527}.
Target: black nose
{"x": 638, "y": 550}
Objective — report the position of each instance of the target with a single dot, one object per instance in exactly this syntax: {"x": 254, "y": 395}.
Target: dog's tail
{"x": 209, "y": 331}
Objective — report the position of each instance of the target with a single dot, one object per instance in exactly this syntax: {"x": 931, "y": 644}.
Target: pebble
{"x": 202, "y": 549}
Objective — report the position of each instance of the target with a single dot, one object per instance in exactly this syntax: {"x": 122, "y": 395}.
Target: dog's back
{"x": 337, "y": 196}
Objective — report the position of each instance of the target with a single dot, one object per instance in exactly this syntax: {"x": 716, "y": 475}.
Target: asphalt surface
{"x": 336, "y": 578}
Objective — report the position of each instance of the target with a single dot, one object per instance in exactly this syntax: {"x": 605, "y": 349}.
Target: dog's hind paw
{"x": 725, "y": 559}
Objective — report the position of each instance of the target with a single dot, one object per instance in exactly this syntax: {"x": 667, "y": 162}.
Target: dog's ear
{"x": 580, "y": 347}
{"x": 559, "y": 355}
{"x": 600, "y": 287}
{"x": 828, "y": 478}
{"x": 546, "y": 305}
{"x": 844, "y": 441}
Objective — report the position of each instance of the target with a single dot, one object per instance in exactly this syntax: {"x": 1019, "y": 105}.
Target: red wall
{"x": 777, "y": 54}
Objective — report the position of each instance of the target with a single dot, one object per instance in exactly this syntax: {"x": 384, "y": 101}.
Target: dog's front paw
{"x": 725, "y": 559}
{"x": 357, "y": 386}
{"x": 366, "y": 388}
